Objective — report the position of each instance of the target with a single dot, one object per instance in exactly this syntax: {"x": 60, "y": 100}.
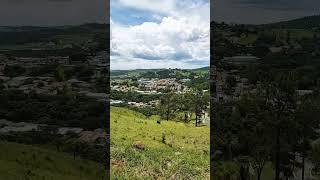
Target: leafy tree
{"x": 280, "y": 101}
{"x": 59, "y": 74}
{"x": 200, "y": 102}
{"x": 168, "y": 106}
{"x": 231, "y": 81}
{"x": 185, "y": 105}
{"x": 307, "y": 115}
{"x": 316, "y": 158}
{"x": 253, "y": 136}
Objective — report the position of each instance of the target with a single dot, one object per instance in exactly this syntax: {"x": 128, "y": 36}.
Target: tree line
{"x": 193, "y": 102}
{"x": 274, "y": 125}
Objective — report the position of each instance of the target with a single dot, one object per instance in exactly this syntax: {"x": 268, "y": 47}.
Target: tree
{"x": 231, "y": 81}
{"x": 168, "y": 105}
{"x": 253, "y": 137}
{"x": 258, "y": 160}
{"x": 288, "y": 36}
{"x": 200, "y": 102}
{"x": 270, "y": 116}
{"x": 59, "y": 74}
{"x": 185, "y": 105}
{"x": 316, "y": 158}
{"x": 307, "y": 115}
{"x": 225, "y": 128}
{"x": 280, "y": 101}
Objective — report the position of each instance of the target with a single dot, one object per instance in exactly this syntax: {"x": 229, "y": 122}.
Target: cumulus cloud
{"x": 164, "y": 6}
{"x": 177, "y": 40}
{"x": 122, "y": 63}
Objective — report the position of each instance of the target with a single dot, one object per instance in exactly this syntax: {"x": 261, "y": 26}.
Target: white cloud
{"x": 164, "y": 6}
{"x": 175, "y": 41}
{"x": 121, "y": 63}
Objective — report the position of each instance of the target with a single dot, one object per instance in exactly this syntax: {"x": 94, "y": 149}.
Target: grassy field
{"x": 184, "y": 154}
{"x": 24, "y": 162}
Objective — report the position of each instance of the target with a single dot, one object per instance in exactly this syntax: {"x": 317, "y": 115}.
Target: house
{"x": 116, "y": 102}
{"x": 304, "y": 92}
{"x": 8, "y": 126}
{"x": 241, "y": 60}
{"x": 275, "y": 49}
{"x": 67, "y": 130}
{"x": 102, "y": 97}
{"x": 205, "y": 118}
{"x": 17, "y": 81}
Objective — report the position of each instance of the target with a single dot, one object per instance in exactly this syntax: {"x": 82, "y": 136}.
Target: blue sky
{"x": 132, "y": 16}
{"x": 160, "y": 34}
{"x": 129, "y": 15}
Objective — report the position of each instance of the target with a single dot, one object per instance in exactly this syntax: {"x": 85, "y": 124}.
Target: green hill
{"x": 18, "y": 161}
{"x": 184, "y": 154}
{"x": 300, "y": 23}
{"x": 29, "y": 37}
{"x": 201, "y": 70}
{"x": 159, "y": 72}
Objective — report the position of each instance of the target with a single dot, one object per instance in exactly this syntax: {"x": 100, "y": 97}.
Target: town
{"x": 161, "y": 113}
{"x": 54, "y": 90}
{"x": 149, "y": 88}
{"x": 265, "y": 93}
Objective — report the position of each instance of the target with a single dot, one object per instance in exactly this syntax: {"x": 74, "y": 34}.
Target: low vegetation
{"x": 19, "y": 161}
{"x": 141, "y": 147}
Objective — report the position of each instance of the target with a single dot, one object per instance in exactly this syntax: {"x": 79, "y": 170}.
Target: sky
{"x": 151, "y": 34}
{"x": 52, "y": 12}
{"x": 262, "y": 11}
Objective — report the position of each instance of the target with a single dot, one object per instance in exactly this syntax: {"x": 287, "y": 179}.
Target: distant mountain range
{"x": 138, "y": 70}
{"x": 31, "y": 34}
{"x": 299, "y": 23}
{"x": 123, "y": 72}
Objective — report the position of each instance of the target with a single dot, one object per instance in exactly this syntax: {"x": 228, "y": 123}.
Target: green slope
{"x": 300, "y": 23}
{"x": 185, "y": 155}
{"x": 18, "y": 161}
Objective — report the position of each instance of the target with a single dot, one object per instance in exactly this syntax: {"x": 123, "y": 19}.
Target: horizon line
{"x": 157, "y": 69}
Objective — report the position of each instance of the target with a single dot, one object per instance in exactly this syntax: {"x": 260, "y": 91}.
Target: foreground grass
{"x": 183, "y": 155}
{"x": 19, "y": 162}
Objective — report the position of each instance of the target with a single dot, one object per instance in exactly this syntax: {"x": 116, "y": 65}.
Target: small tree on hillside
{"x": 59, "y": 74}
{"x": 200, "y": 102}
{"x": 280, "y": 103}
{"x": 168, "y": 106}
{"x": 307, "y": 119}
{"x": 185, "y": 105}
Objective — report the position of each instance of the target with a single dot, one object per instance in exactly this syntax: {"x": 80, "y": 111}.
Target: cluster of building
{"x": 147, "y": 87}
{"x": 124, "y": 88}
{"x": 41, "y": 85}
{"x": 97, "y": 136}
{"x": 153, "y": 103}
{"x": 98, "y": 62}
{"x": 242, "y": 86}
{"x": 151, "y": 86}
{"x": 160, "y": 84}
{"x": 48, "y": 84}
